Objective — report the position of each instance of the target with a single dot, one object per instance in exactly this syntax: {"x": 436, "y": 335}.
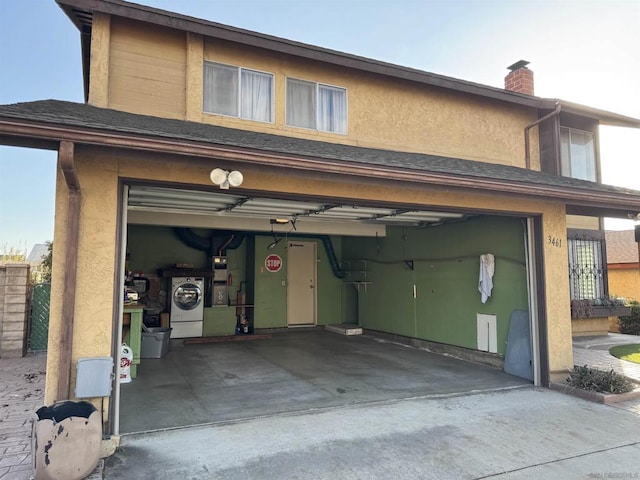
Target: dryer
{"x": 187, "y": 307}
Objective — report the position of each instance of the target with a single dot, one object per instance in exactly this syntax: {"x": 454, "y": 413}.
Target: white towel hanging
{"x": 485, "y": 282}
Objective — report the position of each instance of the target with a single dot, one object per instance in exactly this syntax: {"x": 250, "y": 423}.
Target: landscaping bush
{"x": 630, "y": 324}
{"x": 598, "y": 381}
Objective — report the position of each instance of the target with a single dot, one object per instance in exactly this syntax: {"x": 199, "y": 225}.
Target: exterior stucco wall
{"x": 625, "y": 283}
{"x": 557, "y": 291}
{"x": 589, "y": 327}
{"x": 98, "y": 172}
{"x": 389, "y": 113}
{"x": 159, "y": 71}
{"x": 147, "y": 69}
{"x": 92, "y": 332}
{"x": 585, "y": 223}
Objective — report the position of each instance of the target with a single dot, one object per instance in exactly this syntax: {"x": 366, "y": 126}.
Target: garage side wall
{"x": 445, "y": 274}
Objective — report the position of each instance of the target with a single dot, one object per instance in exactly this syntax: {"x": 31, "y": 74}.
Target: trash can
{"x": 155, "y": 342}
{"x": 65, "y": 441}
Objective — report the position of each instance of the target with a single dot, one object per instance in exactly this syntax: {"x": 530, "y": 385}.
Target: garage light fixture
{"x": 224, "y": 178}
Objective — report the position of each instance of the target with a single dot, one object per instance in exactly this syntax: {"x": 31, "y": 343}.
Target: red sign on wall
{"x": 273, "y": 262}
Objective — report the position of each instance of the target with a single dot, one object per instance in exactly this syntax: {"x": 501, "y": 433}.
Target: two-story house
{"x": 251, "y": 183}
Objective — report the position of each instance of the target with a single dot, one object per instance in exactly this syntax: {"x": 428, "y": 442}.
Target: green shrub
{"x": 630, "y": 324}
{"x": 598, "y": 381}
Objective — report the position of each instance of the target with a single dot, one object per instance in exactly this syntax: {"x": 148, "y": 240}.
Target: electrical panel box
{"x": 94, "y": 376}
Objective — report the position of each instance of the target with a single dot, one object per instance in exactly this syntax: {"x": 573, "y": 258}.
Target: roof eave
{"x": 286, "y": 46}
{"x": 312, "y": 52}
{"x": 579, "y": 201}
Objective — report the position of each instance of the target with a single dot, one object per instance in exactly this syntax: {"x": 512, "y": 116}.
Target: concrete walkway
{"x": 594, "y": 352}
{"x": 21, "y": 394}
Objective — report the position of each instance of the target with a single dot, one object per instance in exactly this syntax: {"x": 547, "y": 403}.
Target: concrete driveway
{"x": 293, "y": 371}
{"x": 509, "y": 434}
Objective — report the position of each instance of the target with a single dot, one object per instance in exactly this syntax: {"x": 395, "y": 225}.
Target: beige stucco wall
{"x": 147, "y": 69}
{"x": 589, "y": 327}
{"x": 92, "y": 332}
{"x": 158, "y": 71}
{"x": 585, "y": 223}
{"x": 98, "y": 173}
{"x": 625, "y": 283}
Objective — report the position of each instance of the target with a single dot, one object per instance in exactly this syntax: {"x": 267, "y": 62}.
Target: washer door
{"x": 187, "y": 296}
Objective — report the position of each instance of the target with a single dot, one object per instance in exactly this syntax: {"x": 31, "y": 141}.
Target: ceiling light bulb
{"x": 235, "y": 178}
{"x": 218, "y": 176}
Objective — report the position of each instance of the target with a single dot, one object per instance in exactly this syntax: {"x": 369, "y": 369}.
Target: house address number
{"x": 554, "y": 241}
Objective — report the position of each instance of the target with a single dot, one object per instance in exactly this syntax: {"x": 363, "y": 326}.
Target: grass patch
{"x": 630, "y": 353}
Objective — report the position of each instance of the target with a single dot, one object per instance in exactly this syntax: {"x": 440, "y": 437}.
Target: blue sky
{"x": 582, "y": 51}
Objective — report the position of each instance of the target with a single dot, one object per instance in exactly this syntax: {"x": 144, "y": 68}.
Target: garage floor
{"x": 293, "y": 371}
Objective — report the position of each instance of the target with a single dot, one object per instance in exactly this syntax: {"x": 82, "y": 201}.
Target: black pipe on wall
{"x": 232, "y": 240}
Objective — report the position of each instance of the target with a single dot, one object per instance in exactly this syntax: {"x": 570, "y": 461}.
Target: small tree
{"x": 47, "y": 263}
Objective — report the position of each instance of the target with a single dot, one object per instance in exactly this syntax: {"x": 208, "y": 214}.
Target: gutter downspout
{"x": 527, "y": 154}
{"x": 67, "y": 165}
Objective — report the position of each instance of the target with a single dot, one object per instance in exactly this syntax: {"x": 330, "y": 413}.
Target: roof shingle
{"x": 621, "y": 246}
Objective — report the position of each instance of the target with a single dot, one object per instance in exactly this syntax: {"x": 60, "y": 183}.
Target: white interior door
{"x": 301, "y": 283}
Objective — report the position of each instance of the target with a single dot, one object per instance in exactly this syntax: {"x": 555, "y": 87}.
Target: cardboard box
{"x": 164, "y": 320}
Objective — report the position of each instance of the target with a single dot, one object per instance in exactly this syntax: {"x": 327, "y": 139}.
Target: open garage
{"x": 267, "y": 276}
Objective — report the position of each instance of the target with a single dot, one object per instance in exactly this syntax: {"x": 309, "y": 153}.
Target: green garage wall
{"x": 446, "y": 269}
{"x": 271, "y": 291}
{"x": 153, "y": 248}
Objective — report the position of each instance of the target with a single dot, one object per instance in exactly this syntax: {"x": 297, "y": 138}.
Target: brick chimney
{"x": 520, "y": 78}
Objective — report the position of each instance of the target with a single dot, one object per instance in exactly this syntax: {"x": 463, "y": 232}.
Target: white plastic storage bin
{"x": 155, "y": 342}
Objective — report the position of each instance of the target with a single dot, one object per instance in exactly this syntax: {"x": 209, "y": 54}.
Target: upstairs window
{"x": 577, "y": 154}
{"x": 238, "y": 92}
{"x": 587, "y": 268}
{"x": 316, "y": 106}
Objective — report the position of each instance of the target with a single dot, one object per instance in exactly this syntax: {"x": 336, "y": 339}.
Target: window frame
{"x": 318, "y": 86}
{"x": 600, "y": 278}
{"x": 567, "y": 161}
{"x": 239, "y": 71}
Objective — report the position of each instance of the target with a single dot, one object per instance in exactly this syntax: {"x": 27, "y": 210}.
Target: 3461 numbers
{"x": 554, "y": 241}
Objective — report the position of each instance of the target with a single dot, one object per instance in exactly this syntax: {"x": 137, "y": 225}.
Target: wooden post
{"x": 66, "y": 163}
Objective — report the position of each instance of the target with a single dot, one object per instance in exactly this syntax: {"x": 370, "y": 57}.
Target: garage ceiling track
{"x": 230, "y": 205}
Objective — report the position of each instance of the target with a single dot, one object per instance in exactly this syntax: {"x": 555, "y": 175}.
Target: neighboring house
{"x": 37, "y": 254}
{"x": 368, "y": 192}
{"x": 623, "y": 265}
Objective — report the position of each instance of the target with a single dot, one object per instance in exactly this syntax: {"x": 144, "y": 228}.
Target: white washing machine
{"x": 187, "y": 307}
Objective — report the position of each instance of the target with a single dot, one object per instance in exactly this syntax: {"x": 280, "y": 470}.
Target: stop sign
{"x": 273, "y": 262}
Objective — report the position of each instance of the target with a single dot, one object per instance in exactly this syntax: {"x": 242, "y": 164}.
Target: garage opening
{"x": 233, "y": 294}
